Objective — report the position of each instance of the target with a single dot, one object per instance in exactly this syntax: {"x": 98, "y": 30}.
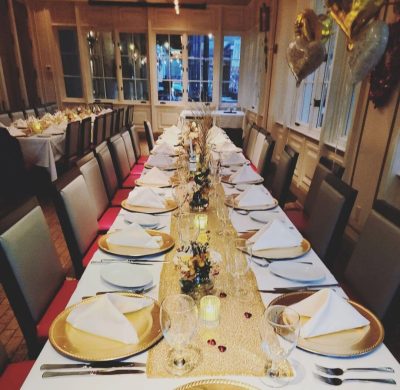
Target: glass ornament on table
{"x": 279, "y": 330}
{"x": 179, "y": 324}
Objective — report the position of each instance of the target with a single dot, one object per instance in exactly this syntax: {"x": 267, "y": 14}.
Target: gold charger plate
{"x": 139, "y": 183}
{"x": 225, "y": 179}
{"x": 122, "y": 250}
{"x": 81, "y": 345}
{"x": 280, "y": 253}
{"x": 170, "y": 205}
{"x": 347, "y": 343}
{"x": 216, "y": 384}
{"x": 232, "y": 202}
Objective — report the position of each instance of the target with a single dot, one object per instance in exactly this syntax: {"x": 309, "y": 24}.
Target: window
{"x": 200, "y": 67}
{"x": 70, "y": 62}
{"x": 230, "y": 69}
{"x": 102, "y": 65}
{"x": 169, "y": 67}
{"x": 133, "y": 48}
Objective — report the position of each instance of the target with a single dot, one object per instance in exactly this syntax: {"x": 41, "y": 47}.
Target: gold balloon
{"x": 326, "y": 23}
{"x": 307, "y": 26}
{"x": 352, "y": 16}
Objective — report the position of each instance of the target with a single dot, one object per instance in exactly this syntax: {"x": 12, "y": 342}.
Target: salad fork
{"x": 340, "y": 371}
{"x": 338, "y": 381}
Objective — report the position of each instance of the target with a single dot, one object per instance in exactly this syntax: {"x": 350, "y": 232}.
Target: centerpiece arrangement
{"x": 198, "y": 134}
{"x": 197, "y": 265}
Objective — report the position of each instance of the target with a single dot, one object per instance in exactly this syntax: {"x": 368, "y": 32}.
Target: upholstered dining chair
{"x": 251, "y": 142}
{"x": 329, "y": 215}
{"x": 5, "y": 119}
{"x": 13, "y": 375}
{"x": 121, "y": 123}
{"x": 149, "y": 135}
{"x": 72, "y": 146}
{"x": 299, "y": 216}
{"x": 283, "y": 175}
{"x": 40, "y": 111}
{"x": 17, "y": 115}
{"x": 257, "y": 149}
{"x": 108, "y": 126}
{"x": 85, "y": 135}
{"x": 32, "y": 275}
{"x": 30, "y": 112}
{"x": 129, "y": 116}
{"x": 373, "y": 271}
{"x": 121, "y": 162}
{"x": 246, "y": 135}
{"x": 78, "y": 218}
{"x": 90, "y": 169}
{"x": 136, "y": 169}
{"x": 98, "y": 129}
{"x": 265, "y": 160}
{"x": 115, "y": 194}
{"x": 141, "y": 159}
{"x": 51, "y": 107}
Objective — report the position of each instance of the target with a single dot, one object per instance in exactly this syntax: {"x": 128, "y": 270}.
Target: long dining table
{"x": 91, "y": 282}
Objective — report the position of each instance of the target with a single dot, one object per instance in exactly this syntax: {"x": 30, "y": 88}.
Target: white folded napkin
{"x": 275, "y": 235}
{"x": 21, "y": 123}
{"x": 244, "y": 175}
{"x": 173, "y": 129}
{"x": 232, "y": 158}
{"x": 55, "y": 128}
{"x": 329, "y": 313}
{"x": 243, "y": 223}
{"x": 155, "y": 177}
{"x": 105, "y": 317}
{"x": 255, "y": 196}
{"x": 227, "y": 146}
{"x": 134, "y": 236}
{"x": 164, "y": 148}
{"x": 145, "y": 197}
{"x": 160, "y": 160}
{"x": 15, "y": 132}
{"x": 219, "y": 138}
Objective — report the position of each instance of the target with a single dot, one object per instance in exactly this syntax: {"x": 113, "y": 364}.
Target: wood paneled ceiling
{"x": 186, "y": 2}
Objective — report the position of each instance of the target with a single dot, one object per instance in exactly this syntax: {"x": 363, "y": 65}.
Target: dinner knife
{"x": 48, "y": 374}
{"x": 299, "y": 288}
{"x": 53, "y": 366}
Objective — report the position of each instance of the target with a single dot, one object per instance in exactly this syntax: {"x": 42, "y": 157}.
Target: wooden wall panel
{"x": 167, "y": 117}
{"x": 102, "y": 17}
{"x": 234, "y": 19}
{"x": 141, "y": 114}
{"x": 131, "y": 19}
{"x": 62, "y": 13}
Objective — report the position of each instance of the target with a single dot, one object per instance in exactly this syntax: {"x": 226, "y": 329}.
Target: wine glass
{"x": 279, "y": 330}
{"x": 222, "y": 214}
{"x": 188, "y": 229}
{"x": 178, "y": 319}
{"x": 238, "y": 265}
{"x": 180, "y": 193}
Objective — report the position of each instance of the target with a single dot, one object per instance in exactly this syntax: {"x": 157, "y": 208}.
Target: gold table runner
{"x": 240, "y": 335}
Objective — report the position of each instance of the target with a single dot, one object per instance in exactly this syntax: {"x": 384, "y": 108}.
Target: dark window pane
{"x": 164, "y": 90}
{"x": 194, "y": 70}
{"x": 98, "y": 89}
{"x": 73, "y": 86}
{"x": 177, "y": 88}
{"x": 127, "y": 68}
{"x": 70, "y": 62}
{"x": 194, "y": 92}
{"x": 142, "y": 90}
{"x": 111, "y": 89}
{"x": 231, "y": 69}
{"x": 129, "y": 90}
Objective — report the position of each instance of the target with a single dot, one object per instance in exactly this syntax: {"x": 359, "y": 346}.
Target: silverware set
{"x": 128, "y": 261}
{"x": 98, "y": 368}
{"x": 309, "y": 287}
{"x": 334, "y": 372}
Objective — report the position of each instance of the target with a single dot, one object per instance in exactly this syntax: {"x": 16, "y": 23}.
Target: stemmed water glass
{"x": 178, "y": 319}
{"x": 238, "y": 264}
{"x": 188, "y": 229}
{"x": 180, "y": 193}
{"x": 279, "y": 330}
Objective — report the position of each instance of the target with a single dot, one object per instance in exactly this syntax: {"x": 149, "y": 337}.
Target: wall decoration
{"x": 368, "y": 49}
{"x": 386, "y": 75}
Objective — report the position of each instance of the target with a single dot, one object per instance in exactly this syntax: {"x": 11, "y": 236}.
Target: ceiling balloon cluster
{"x": 367, "y": 37}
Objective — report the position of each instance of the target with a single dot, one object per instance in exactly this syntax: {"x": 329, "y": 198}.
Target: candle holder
{"x": 210, "y": 307}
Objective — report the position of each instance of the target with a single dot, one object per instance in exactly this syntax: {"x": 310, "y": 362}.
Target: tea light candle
{"x": 210, "y": 310}
{"x": 201, "y": 221}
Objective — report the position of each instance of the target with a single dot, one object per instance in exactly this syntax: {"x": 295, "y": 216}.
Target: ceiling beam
{"x": 145, "y": 4}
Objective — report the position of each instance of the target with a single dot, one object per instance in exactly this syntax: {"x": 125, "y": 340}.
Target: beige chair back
{"x": 251, "y": 143}
{"x": 136, "y": 141}
{"x": 104, "y": 158}
{"x": 120, "y": 156}
{"x": 256, "y": 154}
{"x": 129, "y": 148}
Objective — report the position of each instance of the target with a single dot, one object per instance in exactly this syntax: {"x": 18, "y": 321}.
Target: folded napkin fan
{"x": 233, "y": 158}
{"x": 105, "y": 317}
{"x": 155, "y": 177}
{"x": 275, "y": 235}
{"x": 134, "y": 236}
{"x": 160, "y": 160}
{"x": 173, "y": 129}
{"x": 245, "y": 174}
{"x": 164, "y": 148}
{"x": 145, "y": 197}
{"x": 219, "y": 139}
{"x": 255, "y": 196}
{"x": 15, "y": 132}
{"x": 329, "y": 313}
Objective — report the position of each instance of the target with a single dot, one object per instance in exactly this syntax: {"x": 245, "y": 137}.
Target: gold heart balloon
{"x": 307, "y": 26}
{"x": 352, "y": 16}
{"x": 304, "y": 57}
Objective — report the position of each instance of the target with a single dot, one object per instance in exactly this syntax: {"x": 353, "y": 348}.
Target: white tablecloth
{"x": 43, "y": 151}
{"x": 221, "y": 118}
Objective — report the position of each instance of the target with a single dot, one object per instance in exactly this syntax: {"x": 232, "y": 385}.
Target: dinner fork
{"x": 338, "y": 381}
{"x": 340, "y": 371}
